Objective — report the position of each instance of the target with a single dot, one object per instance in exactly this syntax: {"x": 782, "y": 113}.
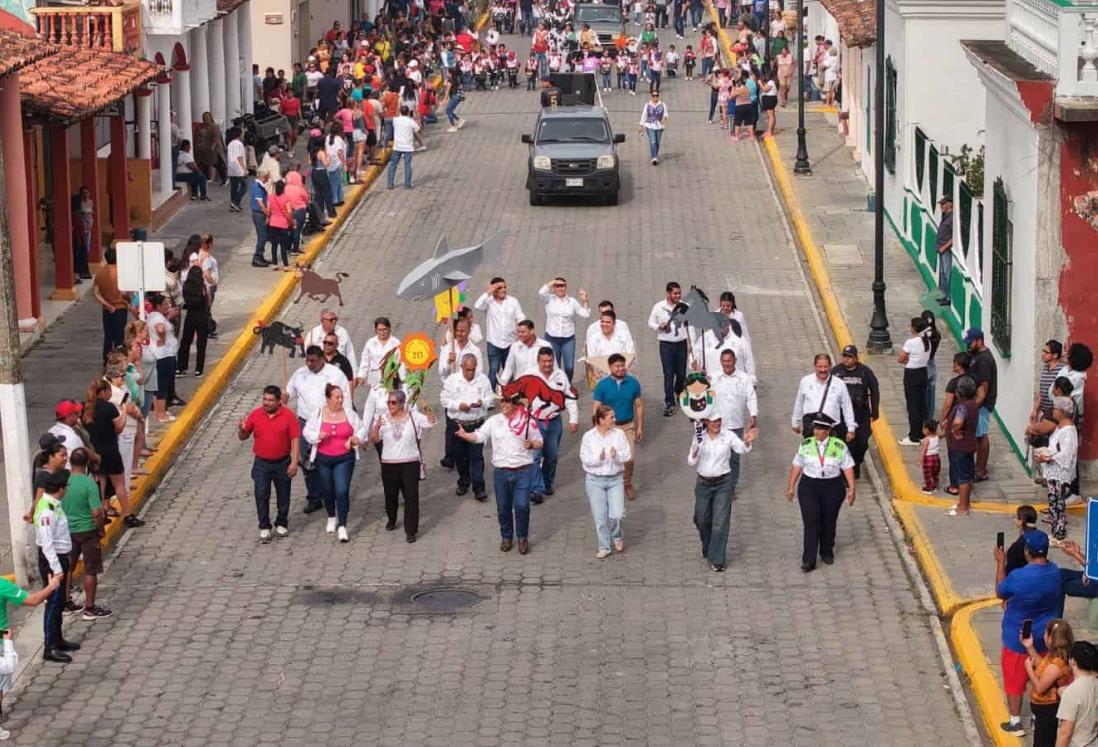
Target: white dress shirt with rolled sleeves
{"x": 399, "y": 444}
{"x": 838, "y": 405}
{"x": 501, "y": 318}
{"x": 619, "y": 341}
{"x": 369, "y": 366}
{"x": 559, "y": 380}
{"x": 445, "y": 368}
{"x": 476, "y": 334}
{"x": 711, "y": 457}
{"x": 560, "y": 313}
{"x": 457, "y": 390}
{"x": 508, "y": 451}
{"x": 521, "y": 360}
{"x": 595, "y": 452}
{"x": 736, "y": 398}
{"x": 707, "y": 342}
{"x": 308, "y": 388}
{"x": 661, "y": 313}
{"x": 346, "y": 347}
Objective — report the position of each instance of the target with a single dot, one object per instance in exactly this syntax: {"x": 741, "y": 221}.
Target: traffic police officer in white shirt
{"x": 826, "y": 470}
{"x": 737, "y": 403}
{"x": 820, "y": 392}
{"x": 609, "y": 335}
{"x": 466, "y": 397}
{"x": 522, "y": 357}
{"x": 560, "y": 327}
{"x": 369, "y": 366}
{"x": 502, "y": 315}
{"x": 307, "y": 386}
{"x": 328, "y": 319}
{"x": 672, "y": 346}
{"x": 711, "y": 455}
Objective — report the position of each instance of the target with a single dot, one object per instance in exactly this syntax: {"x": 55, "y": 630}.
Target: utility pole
{"x": 13, "y": 401}
{"x": 880, "y": 341}
{"x": 802, "y": 166}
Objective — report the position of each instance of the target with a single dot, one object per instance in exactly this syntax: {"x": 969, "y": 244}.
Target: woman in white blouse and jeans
{"x": 711, "y": 455}
{"x": 914, "y": 356}
{"x": 604, "y": 451}
{"x": 560, "y": 327}
{"x": 398, "y": 430}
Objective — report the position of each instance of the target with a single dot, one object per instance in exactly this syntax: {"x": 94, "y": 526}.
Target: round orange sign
{"x": 417, "y": 352}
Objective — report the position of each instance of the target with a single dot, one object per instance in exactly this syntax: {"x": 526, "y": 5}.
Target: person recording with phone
{"x": 1032, "y": 595}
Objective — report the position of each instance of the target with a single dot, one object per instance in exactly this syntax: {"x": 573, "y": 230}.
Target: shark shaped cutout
{"x": 448, "y": 267}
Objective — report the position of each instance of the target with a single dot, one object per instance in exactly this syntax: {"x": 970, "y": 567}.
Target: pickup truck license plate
{"x": 573, "y": 182}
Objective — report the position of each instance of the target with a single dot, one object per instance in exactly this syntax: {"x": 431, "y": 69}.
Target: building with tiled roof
{"x": 856, "y": 19}
{"x": 18, "y": 50}
{"x": 77, "y": 83}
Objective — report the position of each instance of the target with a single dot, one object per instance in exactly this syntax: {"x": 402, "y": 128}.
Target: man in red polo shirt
{"x": 276, "y": 447}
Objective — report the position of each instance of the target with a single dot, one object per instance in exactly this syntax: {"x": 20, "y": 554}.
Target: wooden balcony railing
{"x": 114, "y": 28}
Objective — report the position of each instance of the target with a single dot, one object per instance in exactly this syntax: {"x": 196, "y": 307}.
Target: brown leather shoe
{"x": 505, "y": 546}
{"x": 524, "y": 546}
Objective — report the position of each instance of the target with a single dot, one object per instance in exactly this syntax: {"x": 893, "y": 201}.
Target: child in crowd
{"x": 622, "y": 66}
{"x": 531, "y": 72}
{"x": 671, "y": 62}
{"x": 605, "y": 65}
{"x": 689, "y": 59}
{"x": 930, "y": 456}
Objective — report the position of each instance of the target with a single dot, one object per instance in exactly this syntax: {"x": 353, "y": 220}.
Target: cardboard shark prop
{"x": 447, "y": 267}
{"x": 694, "y": 310}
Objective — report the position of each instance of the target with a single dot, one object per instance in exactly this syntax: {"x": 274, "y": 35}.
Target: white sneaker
{"x": 264, "y": 536}
{"x": 461, "y": 123}
{"x": 905, "y": 441}
{"x": 5, "y": 735}
{"x": 342, "y": 534}
{"x": 451, "y": 129}
{"x": 331, "y": 525}
{"x": 1073, "y": 500}
{"x": 281, "y": 532}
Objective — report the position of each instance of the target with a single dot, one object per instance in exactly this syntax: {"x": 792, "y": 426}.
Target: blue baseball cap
{"x": 1037, "y": 542}
{"x": 973, "y": 334}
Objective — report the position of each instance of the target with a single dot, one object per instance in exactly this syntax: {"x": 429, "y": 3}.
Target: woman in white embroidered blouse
{"x": 560, "y": 327}
{"x": 604, "y": 451}
{"x": 398, "y": 430}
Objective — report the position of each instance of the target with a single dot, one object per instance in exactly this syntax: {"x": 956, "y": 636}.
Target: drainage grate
{"x": 446, "y": 599}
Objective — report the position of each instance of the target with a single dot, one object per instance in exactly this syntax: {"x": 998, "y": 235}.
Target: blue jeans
{"x": 564, "y": 350}
{"x": 1071, "y": 585}
{"x": 734, "y": 463}
{"x": 695, "y": 21}
{"x": 673, "y": 360}
{"x": 497, "y": 359}
{"x": 945, "y": 267}
{"x": 238, "y": 186}
{"x": 387, "y": 129}
{"x": 512, "y": 488}
{"x": 335, "y": 178}
{"x": 713, "y": 516}
{"x": 295, "y": 233}
{"x": 451, "y": 107}
{"x": 606, "y": 494}
{"x": 394, "y": 159}
{"x": 654, "y": 78}
{"x": 259, "y": 220}
{"x": 334, "y": 474}
{"x": 654, "y": 138}
{"x": 678, "y": 20}
{"x": 707, "y": 65}
{"x": 196, "y": 180}
{"x": 545, "y": 458}
{"x": 313, "y": 487}
{"x": 55, "y": 602}
{"x": 264, "y": 473}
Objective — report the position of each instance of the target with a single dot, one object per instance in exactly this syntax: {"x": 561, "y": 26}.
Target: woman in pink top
{"x": 279, "y": 221}
{"x": 335, "y": 432}
{"x": 299, "y": 203}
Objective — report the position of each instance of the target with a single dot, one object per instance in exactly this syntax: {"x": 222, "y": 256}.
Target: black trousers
{"x": 860, "y": 444}
{"x": 673, "y": 360}
{"x": 195, "y": 324}
{"x": 915, "y": 396}
{"x": 55, "y": 603}
{"x": 402, "y": 478}
{"x": 820, "y": 503}
{"x": 114, "y": 329}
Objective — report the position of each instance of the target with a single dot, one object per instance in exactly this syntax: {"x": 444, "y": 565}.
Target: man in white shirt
{"x": 545, "y": 460}
{"x": 328, "y": 324}
{"x": 68, "y": 414}
{"x": 237, "y": 169}
{"x": 374, "y": 352}
{"x": 608, "y": 336}
{"x": 707, "y": 348}
{"x": 448, "y": 363}
{"x": 522, "y": 357}
{"x": 736, "y": 402}
{"x": 307, "y": 386}
{"x": 514, "y": 439}
{"x": 466, "y": 397}
{"x": 405, "y": 137}
{"x": 672, "y": 346}
{"x": 820, "y": 392}
{"x": 502, "y": 315}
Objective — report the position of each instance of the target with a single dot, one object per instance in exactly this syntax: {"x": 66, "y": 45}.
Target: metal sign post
{"x": 141, "y": 269}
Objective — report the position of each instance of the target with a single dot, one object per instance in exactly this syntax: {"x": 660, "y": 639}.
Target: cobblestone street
{"x": 219, "y": 640}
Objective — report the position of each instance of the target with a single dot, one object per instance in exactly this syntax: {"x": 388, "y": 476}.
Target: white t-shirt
{"x": 184, "y": 161}
{"x": 404, "y": 131}
{"x": 312, "y": 77}
{"x": 333, "y": 147}
{"x": 236, "y": 155}
{"x": 917, "y": 355}
{"x": 171, "y": 345}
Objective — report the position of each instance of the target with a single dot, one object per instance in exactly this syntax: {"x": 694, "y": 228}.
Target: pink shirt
{"x": 346, "y": 116}
{"x": 335, "y": 443}
{"x": 278, "y": 204}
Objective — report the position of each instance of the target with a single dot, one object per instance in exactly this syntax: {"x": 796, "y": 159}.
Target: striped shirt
{"x": 1048, "y": 378}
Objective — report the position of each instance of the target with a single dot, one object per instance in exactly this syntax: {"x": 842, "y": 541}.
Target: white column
{"x": 164, "y": 120}
{"x": 200, "y": 82}
{"x": 144, "y": 126}
{"x": 244, "y": 32}
{"x": 17, "y": 477}
{"x": 181, "y": 82}
{"x": 216, "y": 68}
{"x": 232, "y": 64}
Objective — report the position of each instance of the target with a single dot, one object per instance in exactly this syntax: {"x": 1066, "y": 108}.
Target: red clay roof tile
{"x": 857, "y": 20}
{"x": 17, "y": 51}
{"x": 75, "y": 83}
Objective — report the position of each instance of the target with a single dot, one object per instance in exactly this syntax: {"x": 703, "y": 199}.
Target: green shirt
{"x": 81, "y": 498}
{"x": 9, "y": 594}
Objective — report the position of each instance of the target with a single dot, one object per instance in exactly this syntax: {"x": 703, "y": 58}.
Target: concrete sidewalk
{"x": 955, "y": 553}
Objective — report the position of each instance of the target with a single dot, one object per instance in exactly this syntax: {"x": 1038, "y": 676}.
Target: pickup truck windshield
{"x": 582, "y": 130}
{"x": 598, "y": 14}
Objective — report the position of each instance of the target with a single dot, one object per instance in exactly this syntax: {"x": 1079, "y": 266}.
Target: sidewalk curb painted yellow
{"x": 985, "y": 687}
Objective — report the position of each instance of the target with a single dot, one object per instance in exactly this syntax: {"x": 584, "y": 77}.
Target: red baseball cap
{"x": 67, "y": 407}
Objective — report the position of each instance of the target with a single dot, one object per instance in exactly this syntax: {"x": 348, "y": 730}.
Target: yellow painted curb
{"x": 985, "y": 686}
{"x": 206, "y": 397}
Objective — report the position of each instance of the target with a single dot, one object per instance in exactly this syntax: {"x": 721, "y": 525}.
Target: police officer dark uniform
{"x": 865, "y": 397}
{"x": 822, "y": 462}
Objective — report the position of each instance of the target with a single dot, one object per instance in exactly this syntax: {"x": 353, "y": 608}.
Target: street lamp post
{"x": 879, "y": 339}
{"x": 802, "y": 166}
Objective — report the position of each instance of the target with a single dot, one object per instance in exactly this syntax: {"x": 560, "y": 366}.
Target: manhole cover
{"x": 445, "y": 600}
